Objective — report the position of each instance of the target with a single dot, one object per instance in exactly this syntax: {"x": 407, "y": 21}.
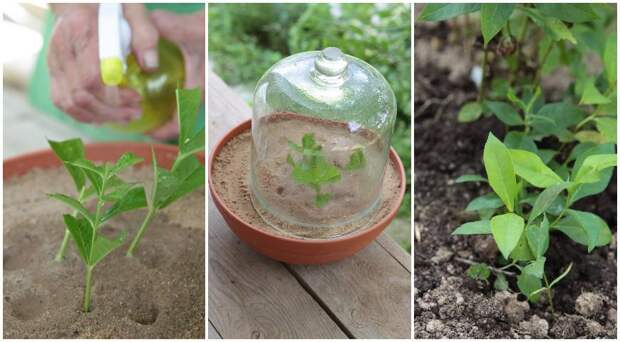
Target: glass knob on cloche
{"x": 321, "y": 128}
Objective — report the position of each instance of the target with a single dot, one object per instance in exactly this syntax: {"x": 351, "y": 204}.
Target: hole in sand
{"x": 19, "y": 256}
{"x": 28, "y": 306}
{"x": 144, "y": 315}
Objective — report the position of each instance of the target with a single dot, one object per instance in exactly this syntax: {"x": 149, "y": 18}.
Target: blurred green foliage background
{"x": 245, "y": 40}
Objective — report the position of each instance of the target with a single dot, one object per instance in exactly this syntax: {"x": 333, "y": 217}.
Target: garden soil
{"x": 448, "y": 304}
{"x": 231, "y": 177}
{"x": 158, "y": 293}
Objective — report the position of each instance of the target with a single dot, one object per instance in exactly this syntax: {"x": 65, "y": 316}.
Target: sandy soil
{"x": 159, "y": 293}
{"x": 231, "y": 178}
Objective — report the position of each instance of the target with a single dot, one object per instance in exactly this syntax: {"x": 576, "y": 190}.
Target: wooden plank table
{"x": 251, "y": 296}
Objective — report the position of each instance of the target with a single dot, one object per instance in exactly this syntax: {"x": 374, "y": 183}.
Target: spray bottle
{"x": 120, "y": 68}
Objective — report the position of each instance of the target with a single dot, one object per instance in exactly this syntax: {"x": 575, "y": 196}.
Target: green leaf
{"x": 74, "y": 204}
{"x": 500, "y": 283}
{"x": 470, "y": 178}
{"x": 591, "y": 95}
{"x": 558, "y": 30}
{"x": 500, "y": 172}
{"x": 438, "y": 12}
{"x": 471, "y": 111}
{"x": 474, "y": 228}
{"x": 488, "y": 201}
{"x": 188, "y": 105}
{"x": 505, "y": 112}
{"x": 190, "y": 175}
{"x": 167, "y": 185}
{"x": 536, "y": 268}
{"x": 607, "y": 127}
{"x": 610, "y": 59}
{"x": 590, "y": 170}
{"x": 479, "y": 271}
{"x": 591, "y": 188}
{"x": 538, "y": 238}
{"x": 585, "y": 228}
{"x": 545, "y": 199}
{"x": 126, "y": 160}
{"x": 534, "y": 171}
{"x": 528, "y": 285}
{"x": 522, "y": 251}
{"x": 68, "y": 151}
{"x": 93, "y": 172}
{"x": 132, "y": 198}
{"x": 558, "y": 117}
{"x": 530, "y": 167}
{"x": 320, "y": 173}
{"x": 572, "y": 13}
{"x": 104, "y": 246}
{"x": 82, "y": 233}
{"x": 493, "y": 17}
{"x": 356, "y": 160}
{"x": 546, "y": 155}
{"x": 520, "y": 141}
{"x": 507, "y": 230}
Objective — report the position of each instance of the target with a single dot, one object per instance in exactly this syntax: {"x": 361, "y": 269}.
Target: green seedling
{"x": 570, "y": 34}
{"x": 314, "y": 170}
{"x": 111, "y": 195}
{"x": 533, "y": 187}
{"x": 187, "y": 173}
{"x": 529, "y": 202}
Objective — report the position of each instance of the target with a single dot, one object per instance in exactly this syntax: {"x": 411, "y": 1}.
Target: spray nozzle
{"x": 114, "y": 43}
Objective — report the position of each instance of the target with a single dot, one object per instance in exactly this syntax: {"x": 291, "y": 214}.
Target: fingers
{"x": 189, "y": 37}
{"x": 75, "y": 78}
{"x": 144, "y": 36}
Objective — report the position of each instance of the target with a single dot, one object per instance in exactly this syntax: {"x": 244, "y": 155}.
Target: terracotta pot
{"x": 298, "y": 251}
{"x": 109, "y": 151}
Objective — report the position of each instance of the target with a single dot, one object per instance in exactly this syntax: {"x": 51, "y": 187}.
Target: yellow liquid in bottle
{"x": 157, "y": 88}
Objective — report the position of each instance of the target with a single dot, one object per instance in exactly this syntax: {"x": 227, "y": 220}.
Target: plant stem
{"x": 63, "y": 246}
{"x": 145, "y": 223}
{"x": 494, "y": 269}
{"x": 484, "y": 66}
{"x": 542, "y": 63}
{"x": 549, "y": 295}
{"x": 513, "y": 74}
{"x": 87, "y": 289}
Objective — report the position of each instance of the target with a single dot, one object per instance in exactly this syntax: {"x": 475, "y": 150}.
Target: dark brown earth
{"x": 159, "y": 293}
{"x": 448, "y": 304}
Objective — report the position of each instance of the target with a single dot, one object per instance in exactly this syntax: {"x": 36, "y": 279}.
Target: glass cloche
{"x": 321, "y": 130}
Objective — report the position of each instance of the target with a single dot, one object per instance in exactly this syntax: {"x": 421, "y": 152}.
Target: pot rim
{"x": 90, "y": 148}
{"x": 246, "y": 125}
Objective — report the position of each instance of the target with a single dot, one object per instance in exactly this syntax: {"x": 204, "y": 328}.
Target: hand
{"x": 188, "y": 33}
{"x": 73, "y": 61}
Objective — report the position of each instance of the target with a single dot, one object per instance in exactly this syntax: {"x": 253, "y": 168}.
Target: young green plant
{"x": 529, "y": 202}
{"x": 112, "y": 196}
{"x": 187, "y": 173}
{"x": 314, "y": 170}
